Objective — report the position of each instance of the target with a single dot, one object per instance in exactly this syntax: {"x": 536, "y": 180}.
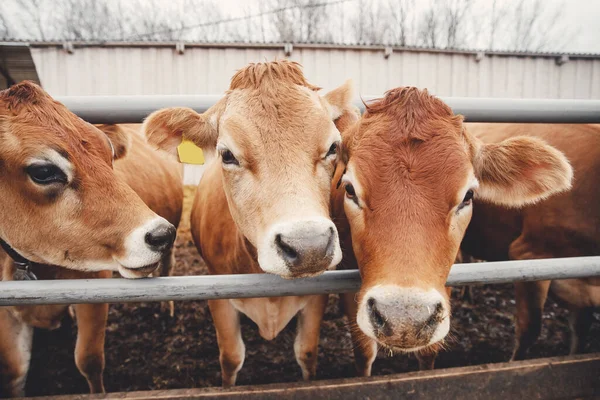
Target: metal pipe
{"x": 133, "y": 109}
{"x": 264, "y": 285}
{"x": 526, "y": 110}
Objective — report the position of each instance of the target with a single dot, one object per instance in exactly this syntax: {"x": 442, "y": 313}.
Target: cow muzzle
{"x": 301, "y": 248}
{"x": 145, "y": 247}
{"x": 403, "y": 318}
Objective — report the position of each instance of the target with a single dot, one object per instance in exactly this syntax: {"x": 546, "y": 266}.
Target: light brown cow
{"x": 403, "y": 204}
{"x": 62, "y": 203}
{"x": 566, "y": 225}
{"x": 263, "y": 205}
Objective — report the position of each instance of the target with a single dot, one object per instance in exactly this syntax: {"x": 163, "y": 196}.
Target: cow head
{"x": 277, "y": 145}
{"x": 411, "y": 175}
{"x": 62, "y": 204}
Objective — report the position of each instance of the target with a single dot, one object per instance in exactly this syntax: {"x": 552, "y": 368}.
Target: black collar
{"x": 23, "y": 266}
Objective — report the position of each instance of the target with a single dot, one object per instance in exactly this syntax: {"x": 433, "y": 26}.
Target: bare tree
{"x": 156, "y": 22}
{"x": 253, "y": 27}
{"x": 67, "y": 19}
{"x": 206, "y": 13}
{"x": 90, "y": 20}
{"x": 175, "y": 20}
{"x": 315, "y": 20}
{"x": 96, "y": 20}
{"x": 370, "y": 25}
{"x": 497, "y": 17}
{"x": 285, "y": 21}
{"x": 534, "y": 26}
{"x": 455, "y": 13}
{"x": 402, "y": 15}
{"x": 32, "y": 18}
{"x": 524, "y": 22}
{"x": 5, "y": 31}
{"x": 518, "y": 25}
{"x": 429, "y": 29}
{"x": 299, "y": 21}
{"x": 448, "y": 24}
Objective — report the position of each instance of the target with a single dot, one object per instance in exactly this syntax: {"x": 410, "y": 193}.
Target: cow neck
{"x": 23, "y": 266}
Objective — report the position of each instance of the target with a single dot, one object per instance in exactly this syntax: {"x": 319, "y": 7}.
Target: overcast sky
{"x": 582, "y": 16}
{"x": 580, "y": 19}
{"x": 586, "y": 15}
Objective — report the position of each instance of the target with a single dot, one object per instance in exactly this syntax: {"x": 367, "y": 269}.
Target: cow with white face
{"x": 402, "y": 200}
{"x": 263, "y": 205}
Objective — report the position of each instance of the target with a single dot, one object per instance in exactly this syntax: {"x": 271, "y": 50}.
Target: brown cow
{"x": 61, "y": 202}
{"x": 403, "y": 204}
{"x": 566, "y": 225}
{"x": 78, "y": 213}
{"x": 263, "y": 205}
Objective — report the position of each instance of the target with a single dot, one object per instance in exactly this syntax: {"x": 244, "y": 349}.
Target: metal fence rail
{"x": 133, "y": 109}
{"x": 263, "y": 285}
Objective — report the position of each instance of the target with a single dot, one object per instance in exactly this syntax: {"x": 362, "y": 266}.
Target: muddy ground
{"x": 146, "y": 349}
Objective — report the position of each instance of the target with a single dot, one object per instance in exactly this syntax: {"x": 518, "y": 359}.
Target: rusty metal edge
{"x": 570, "y": 377}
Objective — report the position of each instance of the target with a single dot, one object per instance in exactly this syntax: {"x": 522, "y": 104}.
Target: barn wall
{"x": 151, "y": 70}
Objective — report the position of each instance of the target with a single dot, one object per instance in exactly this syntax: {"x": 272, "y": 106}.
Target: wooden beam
{"x": 548, "y": 378}
{"x": 4, "y": 71}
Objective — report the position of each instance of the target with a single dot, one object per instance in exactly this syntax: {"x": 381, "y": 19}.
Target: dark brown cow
{"x": 63, "y": 204}
{"x": 566, "y": 225}
{"x": 402, "y": 204}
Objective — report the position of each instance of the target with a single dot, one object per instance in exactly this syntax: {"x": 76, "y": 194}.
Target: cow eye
{"x": 227, "y": 157}
{"x": 350, "y": 192}
{"x": 467, "y": 200}
{"x": 46, "y": 174}
{"x": 468, "y": 197}
{"x": 333, "y": 149}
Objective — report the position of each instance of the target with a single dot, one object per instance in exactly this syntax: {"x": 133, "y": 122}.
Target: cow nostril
{"x": 377, "y": 319}
{"x": 287, "y": 251}
{"x": 436, "y": 316}
{"x": 371, "y": 303}
{"x": 161, "y": 238}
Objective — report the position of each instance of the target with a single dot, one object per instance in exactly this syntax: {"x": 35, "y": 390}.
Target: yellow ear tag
{"x": 189, "y": 153}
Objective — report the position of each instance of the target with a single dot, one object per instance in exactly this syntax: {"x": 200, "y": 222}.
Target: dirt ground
{"x": 147, "y": 350}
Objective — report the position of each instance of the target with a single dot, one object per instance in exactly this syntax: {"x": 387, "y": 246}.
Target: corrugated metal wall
{"x": 148, "y": 70}
{"x": 151, "y": 70}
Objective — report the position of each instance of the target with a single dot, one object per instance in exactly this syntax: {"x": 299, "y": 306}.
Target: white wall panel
{"x": 595, "y": 83}
{"x": 161, "y": 70}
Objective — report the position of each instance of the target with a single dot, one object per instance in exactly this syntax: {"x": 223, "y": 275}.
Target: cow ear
{"x": 339, "y": 100}
{"x": 119, "y": 138}
{"x": 348, "y": 117}
{"x": 519, "y": 171}
{"x": 167, "y": 128}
